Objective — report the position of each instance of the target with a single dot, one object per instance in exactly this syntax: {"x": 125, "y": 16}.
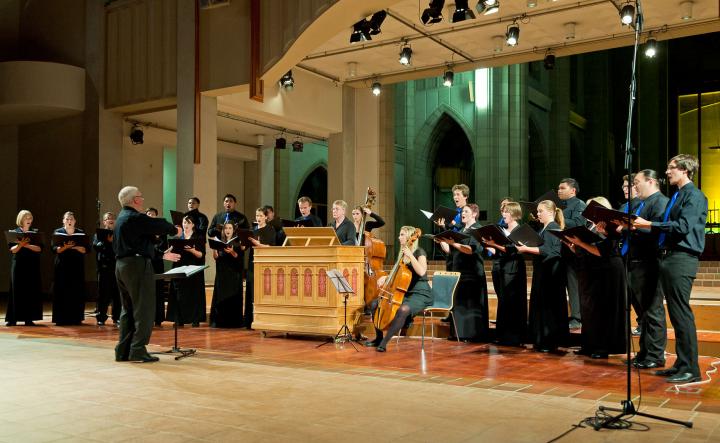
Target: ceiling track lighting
{"x": 433, "y": 13}
{"x": 512, "y": 35}
{"x": 286, "y": 81}
{"x": 627, "y": 14}
{"x": 376, "y": 88}
{"x": 462, "y": 11}
{"x": 280, "y": 142}
{"x": 365, "y": 29}
{"x": 650, "y": 47}
{"x": 448, "y": 78}
{"x": 136, "y": 135}
{"x": 405, "y": 55}
{"x": 549, "y": 61}
{"x": 487, "y": 7}
{"x": 298, "y": 146}
{"x": 531, "y": 3}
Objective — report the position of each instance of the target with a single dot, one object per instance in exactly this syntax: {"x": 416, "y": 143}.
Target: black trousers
{"x": 677, "y": 273}
{"x": 108, "y": 294}
{"x": 136, "y": 282}
{"x": 644, "y": 288}
{"x": 573, "y": 288}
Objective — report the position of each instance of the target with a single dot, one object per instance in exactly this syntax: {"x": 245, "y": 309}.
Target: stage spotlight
{"x": 650, "y": 48}
{"x": 488, "y": 6}
{"x": 686, "y": 10}
{"x": 286, "y": 81}
{"x": 512, "y": 35}
{"x": 433, "y": 13}
{"x": 376, "y": 21}
{"x": 376, "y": 88}
{"x": 280, "y": 143}
{"x": 448, "y": 78}
{"x": 405, "y": 55}
{"x": 462, "y": 12}
{"x": 136, "y": 135}
{"x": 361, "y": 32}
{"x": 627, "y": 14}
{"x": 297, "y": 146}
{"x": 549, "y": 61}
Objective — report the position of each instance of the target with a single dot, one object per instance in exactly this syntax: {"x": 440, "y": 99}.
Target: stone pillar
{"x": 342, "y": 154}
{"x": 186, "y": 105}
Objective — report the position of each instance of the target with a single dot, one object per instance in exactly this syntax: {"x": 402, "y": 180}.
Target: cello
{"x": 393, "y": 290}
{"x": 375, "y": 252}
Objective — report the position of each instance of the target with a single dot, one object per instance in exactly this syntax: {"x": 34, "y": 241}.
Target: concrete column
{"x": 342, "y": 153}
{"x": 186, "y": 104}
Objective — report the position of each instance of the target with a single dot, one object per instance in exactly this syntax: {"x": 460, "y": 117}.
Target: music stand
{"x": 343, "y": 288}
{"x": 178, "y": 273}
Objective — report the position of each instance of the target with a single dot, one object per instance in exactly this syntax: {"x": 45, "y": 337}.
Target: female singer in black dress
{"x": 265, "y": 236}
{"x": 376, "y": 222}
{"x": 227, "y": 301}
{"x": 602, "y": 303}
{"x": 418, "y": 295}
{"x": 470, "y": 307}
{"x": 510, "y": 283}
{"x": 69, "y": 286}
{"x": 548, "y": 305}
{"x": 188, "y": 304}
{"x": 25, "y": 302}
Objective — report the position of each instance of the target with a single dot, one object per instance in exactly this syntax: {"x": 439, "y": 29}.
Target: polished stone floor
{"x": 62, "y": 384}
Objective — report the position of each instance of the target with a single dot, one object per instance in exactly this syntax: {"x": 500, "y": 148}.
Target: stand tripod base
{"x": 342, "y": 336}
{"x": 628, "y": 409}
{"x": 183, "y": 352}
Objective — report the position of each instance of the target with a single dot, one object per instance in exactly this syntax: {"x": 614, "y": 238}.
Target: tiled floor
{"x": 61, "y": 383}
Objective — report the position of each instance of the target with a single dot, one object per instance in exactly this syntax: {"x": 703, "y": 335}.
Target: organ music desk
{"x": 292, "y": 291}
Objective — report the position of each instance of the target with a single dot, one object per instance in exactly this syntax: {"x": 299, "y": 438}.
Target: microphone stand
{"x": 628, "y": 408}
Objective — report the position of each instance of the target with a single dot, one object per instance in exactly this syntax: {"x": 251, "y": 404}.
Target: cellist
{"x": 418, "y": 295}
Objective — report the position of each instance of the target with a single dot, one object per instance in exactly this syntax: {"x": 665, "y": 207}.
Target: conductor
{"x": 134, "y": 246}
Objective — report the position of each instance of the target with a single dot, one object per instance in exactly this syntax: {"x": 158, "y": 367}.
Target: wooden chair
{"x": 443, "y": 290}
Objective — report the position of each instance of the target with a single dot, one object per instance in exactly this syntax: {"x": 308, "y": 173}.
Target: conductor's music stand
{"x": 178, "y": 273}
{"x": 343, "y": 288}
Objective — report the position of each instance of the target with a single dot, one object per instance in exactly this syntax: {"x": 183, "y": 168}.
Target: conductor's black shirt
{"x": 135, "y": 233}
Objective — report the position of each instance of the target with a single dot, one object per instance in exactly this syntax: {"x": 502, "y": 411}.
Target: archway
{"x": 453, "y": 162}
{"x": 315, "y": 187}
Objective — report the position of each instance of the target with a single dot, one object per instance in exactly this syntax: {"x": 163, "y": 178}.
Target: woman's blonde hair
{"x": 550, "y": 206}
{"x": 21, "y": 215}
{"x": 514, "y": 209}
{"x": 410, "y": 231}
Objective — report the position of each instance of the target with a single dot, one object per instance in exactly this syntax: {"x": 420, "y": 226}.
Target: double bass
{"x": 375, "y": 252}
{"x": 393, "y": 290}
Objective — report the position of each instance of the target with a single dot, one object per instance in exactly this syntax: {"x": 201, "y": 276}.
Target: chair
{"x": 443, "y": 290}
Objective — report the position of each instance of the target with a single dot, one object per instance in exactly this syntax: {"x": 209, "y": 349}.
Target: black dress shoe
{"x": 29, "y": 323}
{"x": 380, "y": 349}
{"x": 543, "y": 349}
{"x": 147, "y": 358}
{"x": 371, "y": 343}
{"x": 121, "y": 358}
{"x": 684, "y": 377}
{"x": 598, "y": 355}
{"x": 11, "y": 323}
{"x": 648, "y": 364}
{"x": 666, "y": 372}
{"x": 195, "y": 325}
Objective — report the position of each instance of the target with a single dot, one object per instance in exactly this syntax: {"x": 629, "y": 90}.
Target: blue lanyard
{"x": 661, "y": 237}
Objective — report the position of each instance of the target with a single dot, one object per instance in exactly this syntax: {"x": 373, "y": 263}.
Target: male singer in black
{"x": 305, "y": 206}
{"x": 199, "y": 219}
{"x": 108, "y": 292}
{"x": 641, "y": 252}
{"x": 681, "y": 240}
{"x": 229, "y": 215}
{"x": 567, "y": 192}
{"x": 134, "y": 245}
